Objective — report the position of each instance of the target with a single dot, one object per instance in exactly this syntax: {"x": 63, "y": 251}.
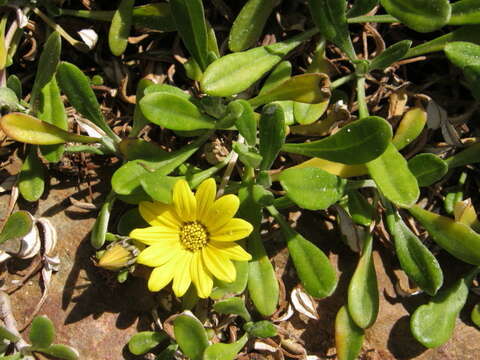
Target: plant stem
{"x": 362, "y": 103}
{"x": 343, "y": 80}
{"x": 87, "y": 14}
{"x": 229, "y": 170}
{"x": 75, "y": 43}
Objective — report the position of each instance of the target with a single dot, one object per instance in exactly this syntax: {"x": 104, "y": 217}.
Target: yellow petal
{"x": 234, "y": 230}
{"x": 155, "y": 234}
{"x": 157, "y": 255}
{"x": 156, "y": 214}
{"x": 230, "y": 250}
{"x": 205, "y": 196}
{"x": 220, "y": 266}
{"x": 221, "y": 212}
{"x": 162, "y": 275}
{"x": 201, "y": 276}
{"x": 184, "y": 201}
{"x": 182, "y": 279}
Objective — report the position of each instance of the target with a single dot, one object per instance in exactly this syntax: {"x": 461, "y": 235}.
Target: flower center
{"x": 193, "y": 236}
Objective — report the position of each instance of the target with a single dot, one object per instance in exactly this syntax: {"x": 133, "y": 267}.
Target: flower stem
{"x": 362, "y": 103}
{"x": 343, "y": 80}
{"x": 373, "y": 18}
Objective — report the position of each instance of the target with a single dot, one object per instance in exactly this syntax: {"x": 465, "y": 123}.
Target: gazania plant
{"x": 238, "y": 120}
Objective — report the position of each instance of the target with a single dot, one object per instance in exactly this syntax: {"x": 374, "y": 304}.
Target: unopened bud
{"x": 118, "y": 256}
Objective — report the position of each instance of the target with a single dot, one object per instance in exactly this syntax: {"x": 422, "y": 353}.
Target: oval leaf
{"x": 60, "y": 351}
{"x": 99, "y": 231}
{"x": 363, "y": 299}
{"x": 356, "y": 143}
{"x": 465, "y": 12}
{"x": 144, "y": 341}
{"x": 393, "y": 177}
{"x": 392, "y": 54}
{"x": 420, "y": 15}
{"x": 348, "y": 336}
{"x": 120, "y": 27}
{"x": 415, "y": 259}
{"x": 312, "y": 188}
{"x": 427, "y": 168}
{"x": 456, "y": 238}
{"x": 234, "y": 306}
{"x": 249, "y": 24}
{"x": 174, "y": 112}
{"x": 31, "y": 181}
{"x": 190, "y": 336}
{"x": 475, "y": 316}
{"x": 225, "y": 351}
{"x": 17, "y": 226}
{"x": 30, "y": 130}
{"x": 306, "y": 88}
{"x": 42, "y": 332}
{"x": 271, "y": 133}
{"x": 410, "y": 127}
{"x": 432, "y": 324}
{"x": 236, "y": 72}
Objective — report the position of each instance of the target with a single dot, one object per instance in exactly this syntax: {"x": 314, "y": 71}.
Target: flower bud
{"x": 118, "y": 256}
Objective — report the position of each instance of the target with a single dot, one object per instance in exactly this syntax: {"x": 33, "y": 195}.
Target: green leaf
{"x": 190, "y": 336}
{"x": 127, "y": 179}
{"x": 456, "y": 238}
{"x": 360, "y": 209}
{"x": 52, "y": 111}
{"x": 475, "y": 315}
{"x": 120, "y": 27}
{"x": 463, "y": 53}
{"x": 234, "y": 306}
{"x": 156, "y": 16}
{"x": 330, "y": 18}
{"x": 306, "y": 88}
{"x": 189, "y": 19}
{"x": 234, "y": 73}
{"x": 47, "y": 66}
{"x": 130, "y": 220}
{"x": 415, "y": 259}
{"x": 271, "y": 133}
{"x": 261, "y": 329}
{"x": 357, "y": 143}
{"x": 393, "y": 177}
{"x": 249, "y": 24}
{"x": 223, "y": 288}
{"x": 3, "y": 47}
{"x": 30, "y": 130}
{"x": 427, "y": 168}
{"x": 139, "y": 120}
{"x": 76, "y": 86}
{"x": 472, "y": 74}
{"x": 392, "y": 54}
{"x": 42, "y": 332}
{"x": 222, "y": 351}
{"x": 420, "y": 15}
{"x": 465, "y": 12}
{"x": 410, "y": 127}
{"x": 14, "y": 83}
{"x": 159, "y": 187}
{"x": 470, "y": 155}
{"x": 9, "y": 100}
{"x": 31, "y": 181}
{"x": 361, "y": 7}
{"x": 308, "y": 113}
{"x": 312, "y": 265}
{"x": 144, "y": 341}
{"x": 60, "y": 351}
{"x": 432, "y": 324}
{"x": 17, "y": 226}
{"x": 174, "y": 112}
{"x": 247, "y": 157}
{"x": 6, "y": 334}
{"x": 312, "y": 188}
{"x": 246, "y": 122}
{"x": 99, "y": 230}
{"x": 363, "y": 299}
{"x": 280, "y": 73}
{"x": 348, "y": 336}
{"x": 465, "y": 33}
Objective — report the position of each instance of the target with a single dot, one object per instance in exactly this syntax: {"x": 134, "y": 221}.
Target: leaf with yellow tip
{"x": 335, "y": 168}
{"x": 28, "y": 129}
{"x": 410, "y": 127}
{"x": 348, "y": 336}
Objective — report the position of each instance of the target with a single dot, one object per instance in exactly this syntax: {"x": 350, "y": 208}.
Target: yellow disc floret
{"x": 193, "y": 236}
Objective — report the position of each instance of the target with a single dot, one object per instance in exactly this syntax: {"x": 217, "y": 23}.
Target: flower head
{"x": 192, "y": 240}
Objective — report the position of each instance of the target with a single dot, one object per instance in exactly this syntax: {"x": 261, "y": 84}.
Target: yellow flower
{"x": 192, "y": 239}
